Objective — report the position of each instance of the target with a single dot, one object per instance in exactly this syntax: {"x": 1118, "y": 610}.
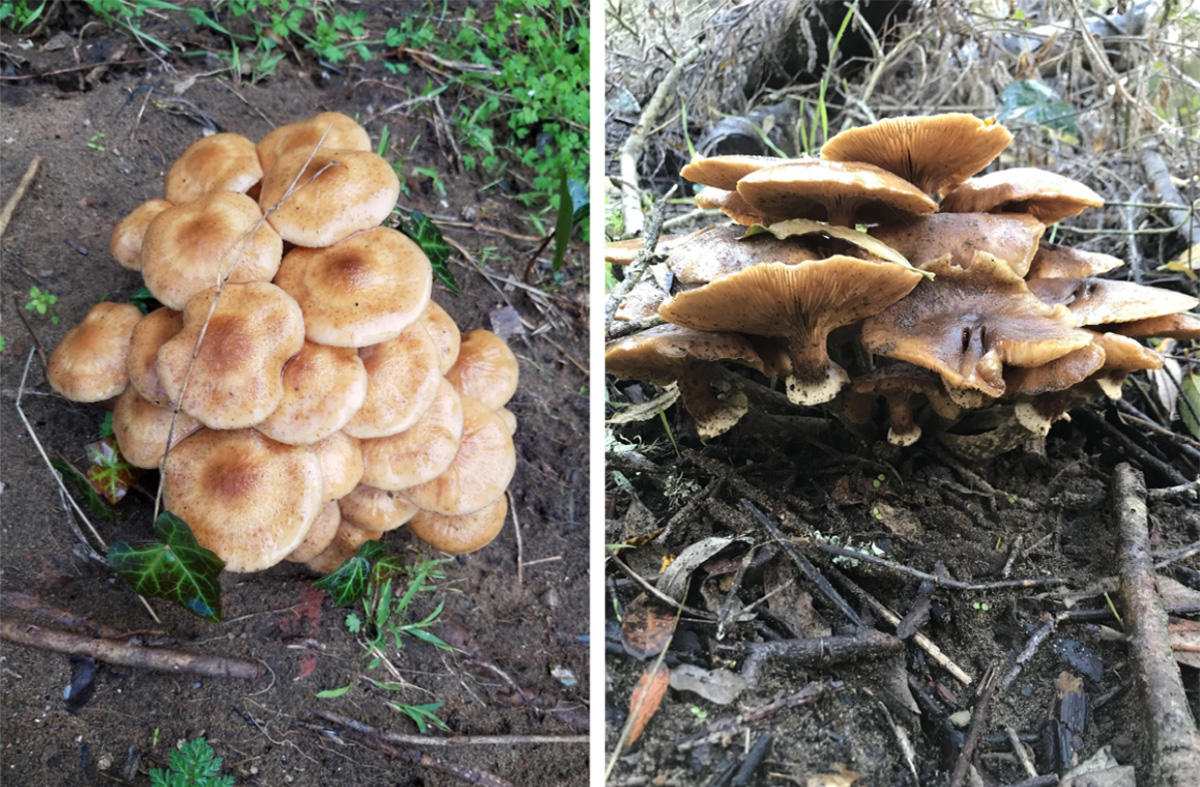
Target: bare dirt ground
{"x": 105, "y": 148}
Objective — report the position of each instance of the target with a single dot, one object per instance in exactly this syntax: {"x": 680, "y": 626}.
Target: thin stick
{"x": 721, "y": 727}
{"x": 820, "y": 651}
{"x": 14, "y": 199}
{"x": 983, "y": 703}
{"x": 934, "y": 578}
{"x": 455, "y": 740}
{"x": 512, "y": 507}
{"x": 64, "y": 617}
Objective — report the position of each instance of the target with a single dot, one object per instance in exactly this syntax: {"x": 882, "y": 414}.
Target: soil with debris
{"x": 105, "y": 143}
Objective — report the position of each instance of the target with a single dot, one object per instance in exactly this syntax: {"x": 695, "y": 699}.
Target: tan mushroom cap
{"x": 509, "y": 418}
{"x": 1048, "y": 196}
{"x": 1012, "y": 237}
{"x": 343, "y": 134}
{"x": 323, "y": 387}
{"x": 486, "y": 370}
{"x": 320, "y": 534}
{"x": 421, "y": 452}
{"x": 622, "y": 252}
{"x": 481, "y": 469}
{"x": 641, "y": 302}
{"x": 151, "y": 332}
{"x": 932, "y": 152}
{"x": 461, "y": 534}
{"x": 969, "y": 322}
{"x": 1062, "y": 262}
{"x": 660, "y": 354}
{"x": 376, "y": 509}
{"x": 360, "y": 291}
{"x": 236, "y": 379}
{"x": 735, "y": 207}
{"x": 445, "y": 335}
{"x": 341, "y": 464}
{"x": 724, "y": 172}
{"x": 346, "y": 541}
{"x": 221, "y": 162}
{"x": 125, "y": 243}
{"x": 1170, "y": 326}
{"x": 141, "y": 429}
{"x": 90, "y": 364}
{"x": 899, "y": 383}
{"x": 1122, "y": 355}
{"x": 719, "y": 251}
{"x": 1057, "y": 375}
{"x": 402, "y": 382}
{"x": 246, "y": 497}
{"x": 355, "y": 190}
{"x": 834, "y": 191}
{"x": 801, "y": 303}
{"x": 189, "y": 248}
{"x": 1098, "y": 301}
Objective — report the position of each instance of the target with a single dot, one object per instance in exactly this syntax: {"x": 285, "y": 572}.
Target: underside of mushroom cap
{"x": 464, "y": 533}
{"x": 837, "y": 192}
{"x": 1011, "y": 237}
{"x": 1047, "y": 196}
{"x": 734, "y": 206}
{"x": 1098, "y": 301}
{"x": 659, "y": 354}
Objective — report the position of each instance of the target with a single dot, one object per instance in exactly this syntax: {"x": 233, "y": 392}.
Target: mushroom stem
{"x": 815, "y": 379}
{"x": 714, "y": 416}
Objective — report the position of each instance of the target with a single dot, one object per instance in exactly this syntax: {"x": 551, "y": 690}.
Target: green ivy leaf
{"x": 144, "y": 300}
{"x": 108, "y": 472}
{"x": 82, "y": 486}
{"x": 349, "y": 582}
{"x": 175, "y": 567}
{"x": 425, "y": 233}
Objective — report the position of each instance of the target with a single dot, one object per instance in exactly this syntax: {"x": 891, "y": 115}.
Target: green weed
{"x": 194, "y": 764}
{"x": 42, "y": 302}
{"x": 18, "y": 15}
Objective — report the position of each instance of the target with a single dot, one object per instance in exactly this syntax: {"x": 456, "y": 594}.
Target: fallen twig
{"x": 1160, "y": 177}
{"x": 721, "y": 727}
{"x": 64, "y": 617}
{"x": 815, "y": 651}
{"x": 979, "y": 714}
{"x": 1039, "y": 636}
{"x": 942, "y": 581}
{"x": 14, "y": 199}
{"x": 454, "y": 740}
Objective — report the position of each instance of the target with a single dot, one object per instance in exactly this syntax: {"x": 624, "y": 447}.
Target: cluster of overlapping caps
{"x": 323, "y": 397}
{"x": 885, "y": 271}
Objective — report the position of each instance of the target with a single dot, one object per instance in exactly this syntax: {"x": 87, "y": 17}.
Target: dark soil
{"x": 144, "y": 116}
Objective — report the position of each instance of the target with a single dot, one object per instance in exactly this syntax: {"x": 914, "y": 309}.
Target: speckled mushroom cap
{"x": 343, "y": 134}
{"x": 719, "y": 251}
{"x": 931, "y": 152}
{"x": 320, "y": 534}
{"x": 189, "y": 248}
{"x": 1097, "y": 301}
{"x": 150, "y": 333}
{"x": 967, "y": 323}
{"x": 246, "y": 497}
{"x": 481, "y": 468}
{"x": 221, "y": 162}
{"x": 461, "y": 534}
{"x": 1062, "y": 262}
{"x": 724, "y": 172}
{"x": 402, "y": 381}
{"x": 354, "y": 190}
{"x": 141, "y": 429}
{"x": 125, "y": 243}
{"x": 834, "y": 191}
{"x": 444, "y": 332}
{"x": 376, "y": 509}
{"x": 486, "y": 370}
{"x": 1047, "y": 196}
{"x": 421, "y": 452}
{"x": 323, "y": 387}
{"x": 1011, "y": 237}
{"x": 90, "y": 364}
{"x": 362, "y": 290}
{"x": 341, "y": 464}
{"x": 237, "y": 377}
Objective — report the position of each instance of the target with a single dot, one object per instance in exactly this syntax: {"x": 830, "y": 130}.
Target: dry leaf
{"x": 843, "y": 778}
{"x": 647, "y": 696}
{"x": 646, "y": 628}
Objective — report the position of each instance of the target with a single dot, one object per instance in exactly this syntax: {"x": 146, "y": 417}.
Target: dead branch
{"x": 942, "y": 581}
{"x": 979, "y": 715}
{"x": 1160, "y": 176}
{"x": 14, "y": 199}
{"x": 725, "y": 725}
{"x": 819, "y": 651}
{"x": 456, "y": 740}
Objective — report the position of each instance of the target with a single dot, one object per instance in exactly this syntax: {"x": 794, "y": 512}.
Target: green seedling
{"x": 42, "y": 302}
{"x": 194, "y": 764}
{"x": 878, "y": 481}
{"x": 94, "y": 143}
{"x": 18, "y": 15}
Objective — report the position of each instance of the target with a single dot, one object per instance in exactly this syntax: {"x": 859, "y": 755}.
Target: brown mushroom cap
{"x": 421, "y": 452}
{"x": 355, "y": 190}
{"x": 1098, "y": 301}
{"x": 343, "y": 134}
{"x": 834, "y": 191}
{"x": 402, "y": 382}
{"x": 642, "y": 301}
{"x": 141, "y": 428}
{"x": 486, "y": 370}
{"x": 189, "y": 248}
{"x": 622, "y": 252}
{"x": 1123, "y": 355}
{"x": 236, "y": 379}
{"x": 444, "y": 333}
{"x": 968, "y": 322}
{"x": 801, "y": 303}
{"x": 509, "y": 419}
{"x": 1048, "y": 196}
{"x": 1170, "y": 326}
{"x": 246, "y": 497}
{"x": 125, "y": 243}
{"x": 323, "y": 387}
{"x": 1012, "y": 237}
{"x": 461, "y": 534}
{"x": 151, "y": 332}
{"x": 719, "y": 251}
{"x": 320, "y": 534}
{"x": 376, "y": 509}
{"x": 724, "y": 172}
{"x": 346, "y": 541}
{"x": 734, "y": 206}
{"x": 932, "y": 153}
{"x": 481, "y": 469}
{"x": 221, "y": 162}
{"x": 90, "y": 364}
{"x": 1062, "y": 262}
{"x": 1057, "y": 375}
{"x": 341, "y": 464}
{"x": 362, "y": 290}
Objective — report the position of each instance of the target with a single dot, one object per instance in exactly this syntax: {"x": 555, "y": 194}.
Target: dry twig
{"x": 14, "y": 199}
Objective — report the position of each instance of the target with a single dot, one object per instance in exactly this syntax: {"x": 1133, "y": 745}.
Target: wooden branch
{"x": 1160, "y": 177}
{"x": 14, "y": 199}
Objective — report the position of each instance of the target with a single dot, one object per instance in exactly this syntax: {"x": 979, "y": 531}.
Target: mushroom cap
{"x": 141, "y": 428}
{"x": 833, "y": 191}
{"x": 1097, "y": 301}
{"x": 734, "y": 206}
{"x": 481, "y": 468}
{"x": 362, "y": 290}
{"x": 622, "y": 252}
{"x": 376, "y": 509}
{"x": 1012, "y": 237}
{"x": 1057, "y": 375}
{"x": 402, "y": 382}
{"x": 931, "y": 152}
{"x": 125, "y": 243}
{"x": 715, "y": 415}
{"x": 719, "y": 251}
{"x": 150, "y": 333}
{"x": 90, "y": 364}
{"x": 323, "y": 387}
{"x": 346, "y": 541}
{"x": 1170, "y": 326}
{"x": 320, "y": 534}
{"x": 444, "y": 332}
{"x": 1047, "y": 196}
{"x": 642, "y": 301}
{"x": 189, "y": 248}
{"x": 236, "y": 379}
{"x": 1062, "y": 262}
{"x": 341, "y": 464}
{"x": 246, "y": 497}
{"x": 724, "y": 172}
{"x": 659, "y": 354}
{"x": 461, "y": 534}
{"x": 421, "y": 452}
{"x": 354, "y": 191}
{"x": 221, "y": 162}
{"x": 486, "y": 370}
{"x": 344, "y": 134}
{"x": 968, "y": 322}
{"x": 1123, "y": 355}
{"x": 509, "y": 419}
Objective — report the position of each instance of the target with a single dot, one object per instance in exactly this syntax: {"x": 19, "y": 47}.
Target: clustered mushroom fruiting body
{"x": 314, "y": 395}
{"x": 950, "y": 301}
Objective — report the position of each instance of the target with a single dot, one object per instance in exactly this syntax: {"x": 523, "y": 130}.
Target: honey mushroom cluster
{"x": 887, "y": 269}
{"x": 315, "y": 398}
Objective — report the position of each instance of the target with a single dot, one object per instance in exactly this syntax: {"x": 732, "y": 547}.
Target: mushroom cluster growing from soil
{"x": 887, "y": 276}
{"x": 314, "y": 395}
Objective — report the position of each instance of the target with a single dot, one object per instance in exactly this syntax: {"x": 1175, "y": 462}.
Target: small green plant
{"x": 980, "y": 606}
{"x": 94, "y": 141}
{"x": 174, "y": 567}
{"x": 421, "y": 229}
{"x": 18, "y": 15}
{"x": 878, "y": 482}
{"x": 42, "y": 302}
{"x": 193, "y": 764}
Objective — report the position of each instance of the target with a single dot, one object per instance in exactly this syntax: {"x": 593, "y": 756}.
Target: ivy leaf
{"x": 175, "y": 567}
{"x": 349, "y": 582}
{"x": 109, "y": 473}
{"x": 144, "y": 300}
{"x": 1038, "y": 103}
{"x": 425, "y": 233}
{"x": 95, "y": 503}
